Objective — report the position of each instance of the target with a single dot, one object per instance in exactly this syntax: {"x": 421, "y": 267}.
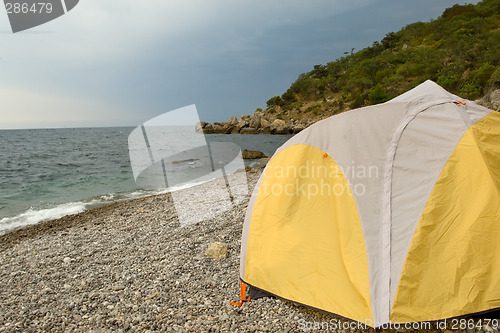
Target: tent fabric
{"x": 407, "y": 203}
{"x": 454, "y": 252}
{"x": 280, "y": 230}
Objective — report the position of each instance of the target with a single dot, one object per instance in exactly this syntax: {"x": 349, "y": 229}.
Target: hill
{"x": 460, "y": 50}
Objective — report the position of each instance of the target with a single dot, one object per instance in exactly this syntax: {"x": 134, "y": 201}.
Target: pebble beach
{"x": 130, "y": 267}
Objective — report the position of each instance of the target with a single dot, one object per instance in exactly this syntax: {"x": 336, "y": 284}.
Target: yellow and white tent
{"x": 388, "y": 213}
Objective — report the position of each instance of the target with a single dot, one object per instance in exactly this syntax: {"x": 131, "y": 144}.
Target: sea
{"x": 49, "y": 173}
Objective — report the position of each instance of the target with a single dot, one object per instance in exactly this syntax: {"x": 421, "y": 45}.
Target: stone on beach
{"x": 217, "y": 250}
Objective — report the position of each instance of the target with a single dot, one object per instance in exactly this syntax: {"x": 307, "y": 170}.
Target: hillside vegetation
{"x": 460, "y": 50}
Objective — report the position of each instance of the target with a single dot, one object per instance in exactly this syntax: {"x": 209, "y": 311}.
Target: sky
{"x": 123, "y": 62}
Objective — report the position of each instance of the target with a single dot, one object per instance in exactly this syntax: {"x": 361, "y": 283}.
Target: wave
{"x": 37, "y": 215}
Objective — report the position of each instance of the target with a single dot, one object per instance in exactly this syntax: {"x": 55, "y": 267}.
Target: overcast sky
{"x": 122, "y": 62}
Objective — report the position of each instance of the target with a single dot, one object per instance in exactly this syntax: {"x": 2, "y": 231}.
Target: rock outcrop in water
{"x": 264, "y": 123}
{"x": 252, "y": 154}
{"x": 258, "y": 123}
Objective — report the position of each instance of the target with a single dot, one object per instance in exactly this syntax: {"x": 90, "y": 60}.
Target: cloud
{"x": 116, "y": 30}
{"x": 109, "y": 50}
{"x": 23, "y": 108}
{"x": 153, "y": 56}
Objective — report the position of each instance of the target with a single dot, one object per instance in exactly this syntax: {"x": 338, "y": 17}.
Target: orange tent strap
{"x": 243, "y": 290}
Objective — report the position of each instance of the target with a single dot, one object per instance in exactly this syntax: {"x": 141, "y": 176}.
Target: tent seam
{"x": 384, "y": 297}
{"x": 465, "y": 117}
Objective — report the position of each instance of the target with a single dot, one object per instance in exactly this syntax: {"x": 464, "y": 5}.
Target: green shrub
{"x": 275, "y": 101}
{"x": 378, "y": 95}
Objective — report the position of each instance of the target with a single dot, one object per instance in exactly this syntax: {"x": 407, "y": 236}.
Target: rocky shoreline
{"x": 130, "y": 267}
{"x": 258, "y": 123}
{"x": 265, "y": 122}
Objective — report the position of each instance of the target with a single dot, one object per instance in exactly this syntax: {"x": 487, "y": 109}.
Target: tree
{"x": 274, "y": 101}
{"x": 378, "y": 95}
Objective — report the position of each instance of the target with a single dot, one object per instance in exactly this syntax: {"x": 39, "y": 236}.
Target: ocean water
{"x": 49, "y": 173}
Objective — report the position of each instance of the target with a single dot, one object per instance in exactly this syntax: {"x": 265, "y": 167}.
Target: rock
{"x": 245, "y": 117}
{"x": 495, "y": 99}
{"x": 232, "y": 121}
{"x": 264, "y": 122}
{"x": 208, "y": 129}
{"x": 242, "y": 123}
{"x": 249, "y": 130}
{"x": 217, "y": 128}
{"x": 265, "y": 126}
{"x": 227, "y": 128}
{"x": 254, "y": 121}
{"x": 216, "y": 250}
{"x": 199, "y": 126}
{"x": 491, "y": 100}
{"x": 67, "y": 260}
{"x": 297, "y": 128}
{"x": 278, "y": 126}
{"x": 252, "y": 154}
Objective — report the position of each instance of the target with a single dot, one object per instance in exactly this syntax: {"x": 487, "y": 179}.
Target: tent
{"x": 384, "y": 214}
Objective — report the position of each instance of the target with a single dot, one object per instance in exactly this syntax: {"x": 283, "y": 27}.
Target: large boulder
{"x": 227, "y": 128}
{"x": 264, "y": 122}
{"x": 278, "y": 126}
{"x": 232, "y": 120}
{"x": 217, "y": 128}
{"x": 208, "y": 129}
{"x": 242, "y": 123}
{"x": 252, "y": 154}
{"x": 255, "y": 121}
{"x": 495, "y": 99}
